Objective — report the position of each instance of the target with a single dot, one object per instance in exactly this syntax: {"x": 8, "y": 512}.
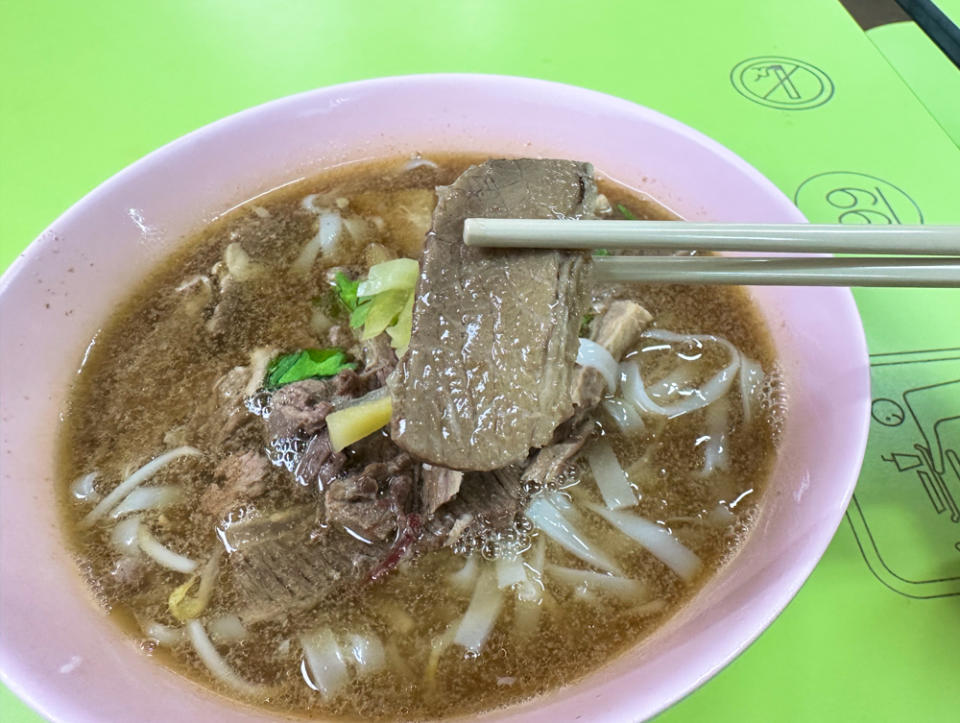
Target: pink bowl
{"x": 61, "y": 654}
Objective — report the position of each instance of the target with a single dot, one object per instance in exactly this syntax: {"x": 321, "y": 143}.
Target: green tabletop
{"x": 795, "y": 88}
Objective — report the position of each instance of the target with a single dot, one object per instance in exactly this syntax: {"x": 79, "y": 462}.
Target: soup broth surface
{"x": 157, "y": 361}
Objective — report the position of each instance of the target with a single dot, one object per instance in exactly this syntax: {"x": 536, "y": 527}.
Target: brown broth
{"x": 154, "y": 359}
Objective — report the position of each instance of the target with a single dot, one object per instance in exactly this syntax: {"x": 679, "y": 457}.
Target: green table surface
{"x": 934, "y": 79}
{"x": 89, "y": 87}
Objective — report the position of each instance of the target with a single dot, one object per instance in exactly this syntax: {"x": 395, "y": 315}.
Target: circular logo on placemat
{"x": 849, "y": 197}
{"x": 779, "y": 82}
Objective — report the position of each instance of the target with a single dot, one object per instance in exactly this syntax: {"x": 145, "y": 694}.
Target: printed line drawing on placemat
{"x": 781, "y": 82}
{"x": 905, "y": 513}
{"x": 855, "y": 198}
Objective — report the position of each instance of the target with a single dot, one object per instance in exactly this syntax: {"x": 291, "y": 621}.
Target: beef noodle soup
{"x": 329, "y": 461}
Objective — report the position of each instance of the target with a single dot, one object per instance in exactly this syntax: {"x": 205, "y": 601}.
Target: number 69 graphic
{"x": 856, "y": 198}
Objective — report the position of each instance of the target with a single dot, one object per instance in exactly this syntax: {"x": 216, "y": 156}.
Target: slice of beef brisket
{"x": 492, "y": 500}
{"x": 488, "y": 373}
{"x": 284, "y": 562}
{"x": 360, "y": 528}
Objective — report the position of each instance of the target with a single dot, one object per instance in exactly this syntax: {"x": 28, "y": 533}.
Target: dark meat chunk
{"x": 549, "y": 463}
{"x": 241, "y": 478}
{"x": 342, "y": 336}
{"x": 319, "y": 465}
{"x": 618, "y": 331}
{"x": 300, "y": 408}
{"x": 379, "y": 361}
{"x": 488, "y": 373}
{"x": 438, "y": 485}
{"x": 348, "y": 384}
{"x": 372, "y": 503}
{"x": 485, "y": 501}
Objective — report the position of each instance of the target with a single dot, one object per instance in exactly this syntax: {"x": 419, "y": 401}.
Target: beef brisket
{"x": 491, "y": 501}
{"x": 284, "y": 562}
{"x": 373, "y": 502}
{"x": 488, "y": 373}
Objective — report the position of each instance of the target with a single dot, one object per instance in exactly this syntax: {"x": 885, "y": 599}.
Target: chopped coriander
{"x": 626, "y": 212}
{"x": 601, "y": 252}
{"x": 306, "y": 364}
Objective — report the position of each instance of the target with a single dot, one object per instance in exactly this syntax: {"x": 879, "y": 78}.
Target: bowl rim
{"x": 32, "y": 691}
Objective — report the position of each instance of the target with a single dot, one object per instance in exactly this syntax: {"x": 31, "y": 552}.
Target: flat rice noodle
{"x": 329, "y": 230}
{"x": 552, "y": 523}
{"x": 625, "y": 415}
{"x": 466, "y": 577}
{"x": 481, "y": 614}
{"x": 713, "y": 389}
{"x": 656, "y": 539}
{"x": 134, "y": 481}
{"x": 324, "y": 661}
{"x": 592, "y": 354}
{"x": 715, "y": 455}
{"x": 219, "y": 667}
{"x": 148, "y": 498}
{"x": 751, "y": 380}
{"x": 614, "y": 486}
{"x": 366, "y": 652}
{"x": 510, "y": 572}
{"x": 615, "y": 586}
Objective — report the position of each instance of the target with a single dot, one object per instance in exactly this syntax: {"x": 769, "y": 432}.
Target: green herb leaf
{"x": 347, "y": 290}
{"x": 359, "y": 315}
{"x": 601, "y": 252}
{"x": 626, "y": 212}
{"x": 306, "y": 364}
{"x": 278, "y": 367}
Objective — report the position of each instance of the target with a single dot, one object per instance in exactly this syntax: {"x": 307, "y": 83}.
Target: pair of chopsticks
{"x": 887, "y": 270}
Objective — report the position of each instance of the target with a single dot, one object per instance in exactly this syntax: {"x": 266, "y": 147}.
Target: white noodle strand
{"x": 656, "y": 539}
{"x": 217, "y": 666}
{"x": 134, "y": 481}
{"x": 550, "y": 520}
{"x": 609, "y": 475}
{"x": 481, "y": 614}
{"x": 163, "y": 556}
{"x": 592, "y": 354}
{"x": 621, "y": 588}
{"x": 82, "y": 489}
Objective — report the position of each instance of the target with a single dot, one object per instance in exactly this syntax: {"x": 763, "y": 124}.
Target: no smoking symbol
{"x": 780, "y": 82}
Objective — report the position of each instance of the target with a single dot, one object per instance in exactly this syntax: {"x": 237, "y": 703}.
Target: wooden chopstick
{"x": 676, "y": 235}
{"x": 938, "y": 241}
{"x": 809, "y": 271}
